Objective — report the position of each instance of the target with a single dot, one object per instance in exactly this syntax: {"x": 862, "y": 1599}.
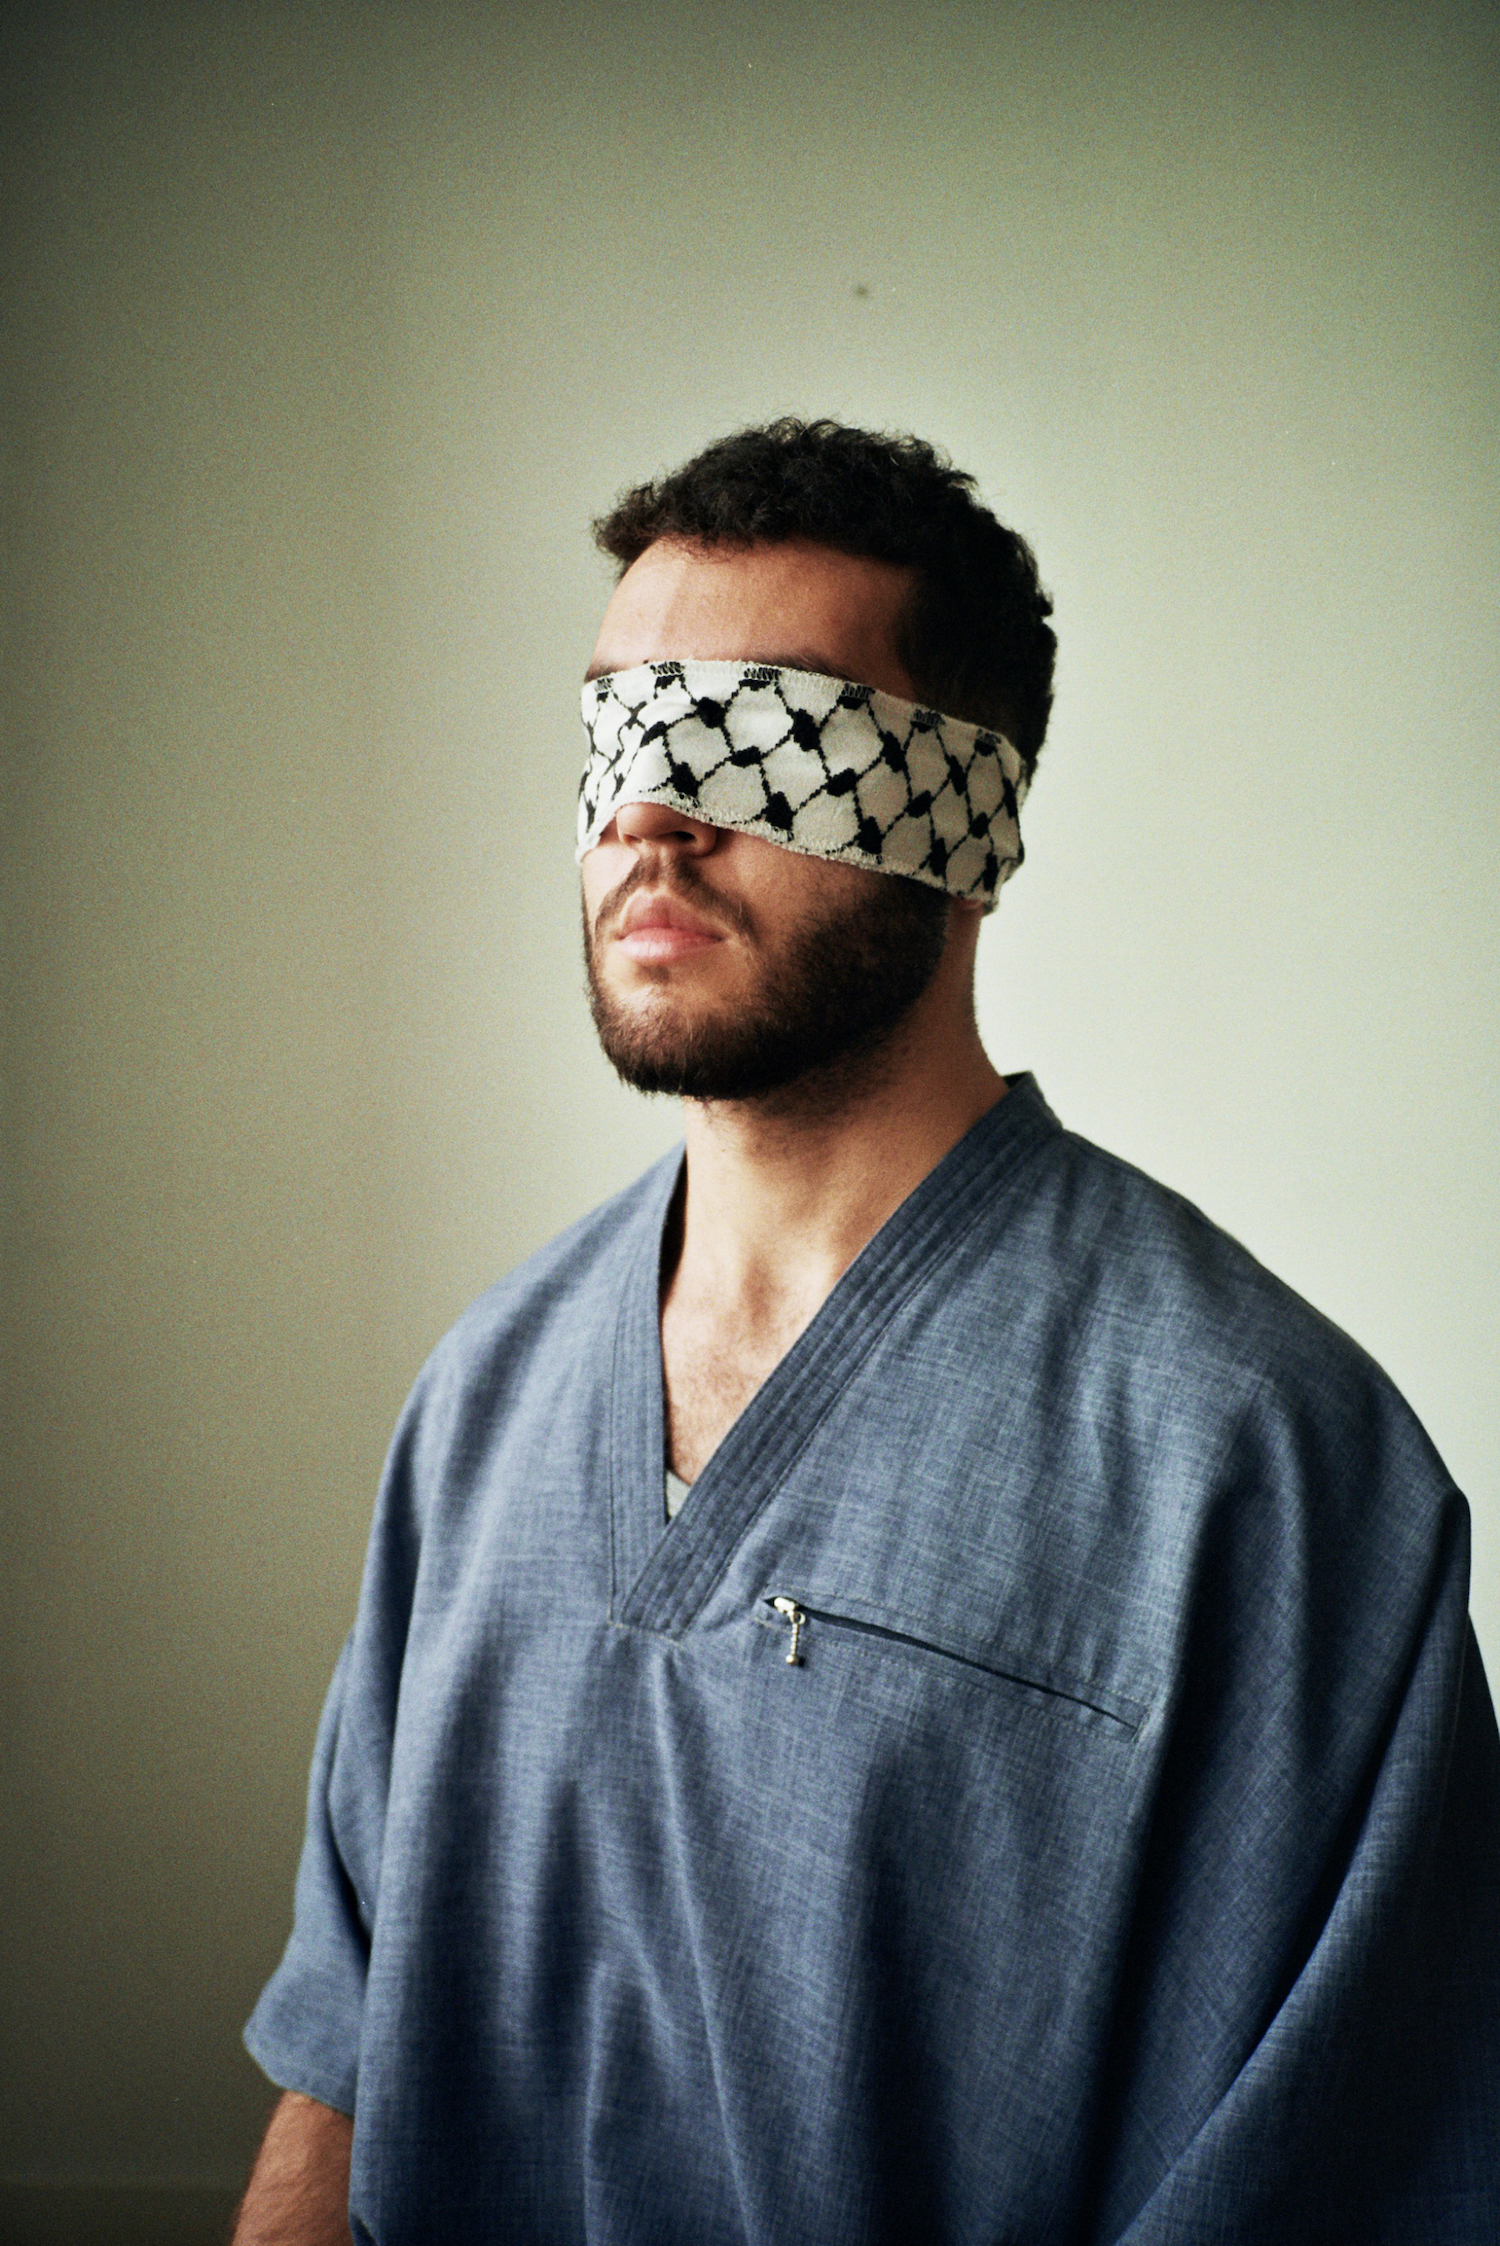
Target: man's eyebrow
{"x": 801, "y": 659}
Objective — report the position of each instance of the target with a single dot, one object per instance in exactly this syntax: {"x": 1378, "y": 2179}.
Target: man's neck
{"x": 783, "y": 1192}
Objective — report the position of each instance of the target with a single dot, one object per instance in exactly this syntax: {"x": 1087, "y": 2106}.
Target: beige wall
{"x": 329, "y": 333}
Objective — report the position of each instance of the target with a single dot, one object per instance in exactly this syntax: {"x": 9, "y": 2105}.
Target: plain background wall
{"x": 328, "y": 332}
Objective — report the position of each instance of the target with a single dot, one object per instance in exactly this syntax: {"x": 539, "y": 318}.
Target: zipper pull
{"x": 790, "y": 1610}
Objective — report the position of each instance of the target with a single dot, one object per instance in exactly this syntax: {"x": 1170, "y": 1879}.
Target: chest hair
{"x": 711, "y": 1367}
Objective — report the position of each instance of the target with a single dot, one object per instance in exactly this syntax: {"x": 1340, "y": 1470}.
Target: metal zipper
{"x": 792, "y": 1611}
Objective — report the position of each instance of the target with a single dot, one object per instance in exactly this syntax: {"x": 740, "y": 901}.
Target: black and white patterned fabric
{"x": 820, "y": 765}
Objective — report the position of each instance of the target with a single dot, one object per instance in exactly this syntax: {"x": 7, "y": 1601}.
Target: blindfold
{"x": 819, "y": 765}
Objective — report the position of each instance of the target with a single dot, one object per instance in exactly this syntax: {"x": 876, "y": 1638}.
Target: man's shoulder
{"x": 1135, "y": 1355}
{"x": 1148, "y": 1280}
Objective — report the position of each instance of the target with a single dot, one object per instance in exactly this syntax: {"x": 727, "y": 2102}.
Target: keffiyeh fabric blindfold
{"x": 820, "y": 765}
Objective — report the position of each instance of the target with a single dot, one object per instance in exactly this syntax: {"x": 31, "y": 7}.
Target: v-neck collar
{"x": 663, "y": 1575}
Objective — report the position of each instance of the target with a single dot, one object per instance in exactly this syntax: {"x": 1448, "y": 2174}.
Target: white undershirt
{"x": 676, "y": 1492}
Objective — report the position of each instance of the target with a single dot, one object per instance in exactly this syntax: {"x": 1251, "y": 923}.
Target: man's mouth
{"x": 656, "y": 927}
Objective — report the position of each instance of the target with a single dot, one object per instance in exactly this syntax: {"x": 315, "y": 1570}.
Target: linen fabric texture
{"x": 820, "y": 765}
{"x": 1120, "y": 1861}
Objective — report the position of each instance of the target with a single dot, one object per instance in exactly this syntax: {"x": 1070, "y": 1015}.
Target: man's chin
{"x": 685, "y": 1052}
{"x": 832, "y": 992}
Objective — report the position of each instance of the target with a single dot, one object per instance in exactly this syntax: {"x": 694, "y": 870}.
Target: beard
{"x": 829, "y": 996}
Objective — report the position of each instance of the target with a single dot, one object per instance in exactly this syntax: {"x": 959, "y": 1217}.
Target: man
{"x": 904, "y": 1688}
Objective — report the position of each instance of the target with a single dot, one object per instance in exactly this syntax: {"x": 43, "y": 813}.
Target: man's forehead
{"x": 798, "y": 606}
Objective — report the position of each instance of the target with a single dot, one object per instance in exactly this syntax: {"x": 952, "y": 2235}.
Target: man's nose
{"x": 664, "y": 824}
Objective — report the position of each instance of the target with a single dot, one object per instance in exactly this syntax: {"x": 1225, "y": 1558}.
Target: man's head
{"x": 969, "y": 626}
{"x": 722, "y": 966}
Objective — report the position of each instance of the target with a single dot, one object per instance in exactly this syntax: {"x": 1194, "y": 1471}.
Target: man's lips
{"x": 655, "y": 927}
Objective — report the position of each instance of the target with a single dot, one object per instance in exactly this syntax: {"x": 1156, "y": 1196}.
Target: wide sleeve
{"x": 1313, "y": 1995}
{"x": 305, "y": 2030}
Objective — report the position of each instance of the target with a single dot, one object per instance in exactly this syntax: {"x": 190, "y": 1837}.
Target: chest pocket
{"x": 825, "y": 1625}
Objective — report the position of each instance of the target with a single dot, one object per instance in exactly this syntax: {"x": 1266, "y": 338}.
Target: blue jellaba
{"x": 1040, "y": 1788}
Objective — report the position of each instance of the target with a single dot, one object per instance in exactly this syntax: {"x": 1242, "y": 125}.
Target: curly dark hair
{"x": 975, "y": 639}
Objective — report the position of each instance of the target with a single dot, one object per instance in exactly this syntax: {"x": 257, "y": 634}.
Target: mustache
{"x": 681, "y": 882}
